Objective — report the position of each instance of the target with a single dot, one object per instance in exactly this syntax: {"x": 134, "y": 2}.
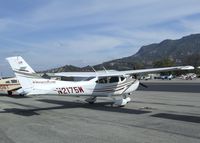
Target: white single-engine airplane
{"x": 92, "y": 84}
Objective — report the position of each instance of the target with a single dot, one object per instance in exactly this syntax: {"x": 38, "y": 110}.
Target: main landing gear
{"x": 91, "y": 100}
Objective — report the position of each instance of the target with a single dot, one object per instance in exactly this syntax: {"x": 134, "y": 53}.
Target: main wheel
{"x": 9, "y": 92}
{"x": 91, "y": 102}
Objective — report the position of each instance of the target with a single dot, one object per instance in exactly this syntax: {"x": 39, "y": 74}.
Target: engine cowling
{"x": 133, "y": 87}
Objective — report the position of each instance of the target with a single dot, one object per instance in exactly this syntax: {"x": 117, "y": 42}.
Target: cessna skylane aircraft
{"x": 92, "y": 84}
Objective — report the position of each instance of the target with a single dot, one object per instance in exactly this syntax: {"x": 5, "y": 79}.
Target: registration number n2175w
{"x": 70, "y": 90}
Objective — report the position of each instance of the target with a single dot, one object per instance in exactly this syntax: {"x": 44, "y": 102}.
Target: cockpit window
{"x": 112, "y": 79}
{"x": 102, "y": 80}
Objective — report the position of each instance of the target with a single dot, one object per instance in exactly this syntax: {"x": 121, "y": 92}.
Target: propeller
{"x": 142, "y": 84}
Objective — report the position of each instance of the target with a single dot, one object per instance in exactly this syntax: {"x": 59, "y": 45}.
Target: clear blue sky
{"x": 51, "y": 33}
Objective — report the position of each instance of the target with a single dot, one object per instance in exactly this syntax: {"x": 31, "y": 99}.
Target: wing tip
{"x": 187, "y": 68}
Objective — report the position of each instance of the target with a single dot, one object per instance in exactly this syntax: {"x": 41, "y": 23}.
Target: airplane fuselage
{"x": 95, "y": 87}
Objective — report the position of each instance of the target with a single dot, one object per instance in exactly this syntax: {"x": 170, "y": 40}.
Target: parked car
{"x": 168, "y": 77}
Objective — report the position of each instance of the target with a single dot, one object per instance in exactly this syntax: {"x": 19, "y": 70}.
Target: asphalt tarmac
{"x": 175, "y": 85}
{"x": 151, "y": 117}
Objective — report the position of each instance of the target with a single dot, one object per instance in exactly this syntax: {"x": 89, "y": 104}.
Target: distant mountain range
{"x": 182, "y": 51}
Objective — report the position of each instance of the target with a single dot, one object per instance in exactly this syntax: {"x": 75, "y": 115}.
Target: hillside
{"x": 182, "y": 51}
{"x": 176, "y": 50}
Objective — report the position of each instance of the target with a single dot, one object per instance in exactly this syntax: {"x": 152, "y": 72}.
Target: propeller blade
{"x": 135, "y": 76}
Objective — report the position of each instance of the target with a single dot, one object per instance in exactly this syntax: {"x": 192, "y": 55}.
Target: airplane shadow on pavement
{"x": 15, "y": 96}
{"x": 186, "y": 118}
{"x": 103, "y": 106}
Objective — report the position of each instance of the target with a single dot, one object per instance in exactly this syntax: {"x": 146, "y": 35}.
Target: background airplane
{"x": 9, "y": 85}
{"x": 118, "y": 85}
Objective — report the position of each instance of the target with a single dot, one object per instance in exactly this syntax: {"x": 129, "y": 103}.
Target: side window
{"x": 7, "y": 81}
{"x": 13, "y": 81}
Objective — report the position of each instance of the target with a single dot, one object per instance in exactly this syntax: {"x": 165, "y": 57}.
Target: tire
{"x": 9, "y": 92}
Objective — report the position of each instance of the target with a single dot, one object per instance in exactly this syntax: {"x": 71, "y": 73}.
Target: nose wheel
{"x": 128, "y": 99}
{"x": 122, "y": 101}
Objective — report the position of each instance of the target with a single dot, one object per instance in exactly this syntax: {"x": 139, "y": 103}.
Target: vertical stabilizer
{"x": 24, "y": 73}
{"x": 18, "y": 64}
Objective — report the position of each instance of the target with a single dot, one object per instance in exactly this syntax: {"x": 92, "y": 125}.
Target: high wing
{"x": 85, "y": 74}
{"x": 159, "y": 69}
{"x": 121, "y": 73}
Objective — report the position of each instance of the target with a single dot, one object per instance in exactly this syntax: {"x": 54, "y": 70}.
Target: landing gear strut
{"x": 128, "y": 99}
